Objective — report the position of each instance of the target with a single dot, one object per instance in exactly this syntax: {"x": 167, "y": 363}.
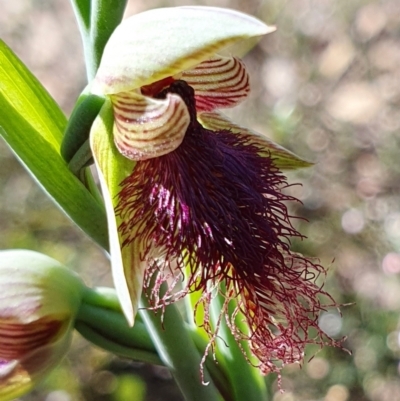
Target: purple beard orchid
{"x": 194, "y": 201}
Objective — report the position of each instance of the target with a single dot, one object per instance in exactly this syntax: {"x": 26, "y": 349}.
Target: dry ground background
{"x": 327, "y": 86}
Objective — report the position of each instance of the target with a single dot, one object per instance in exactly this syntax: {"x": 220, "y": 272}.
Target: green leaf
{"x": 32, "y": 124}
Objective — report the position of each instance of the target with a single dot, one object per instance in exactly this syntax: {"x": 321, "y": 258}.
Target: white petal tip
{"x": 129, "y": 317}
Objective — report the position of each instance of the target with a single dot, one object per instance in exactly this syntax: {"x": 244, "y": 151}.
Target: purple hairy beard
{"x": 213, "y": 211}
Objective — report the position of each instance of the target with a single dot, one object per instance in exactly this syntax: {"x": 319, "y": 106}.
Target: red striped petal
{"x": 218, "y": 83}
{"x": 17, "y": 340}
{"x": 145, "y": 127}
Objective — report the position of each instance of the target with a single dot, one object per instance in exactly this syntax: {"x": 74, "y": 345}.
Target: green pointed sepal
{"x": 283, "y": 158}
{"x": 113, "y": 168}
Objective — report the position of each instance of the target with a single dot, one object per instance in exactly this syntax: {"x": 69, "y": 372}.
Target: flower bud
{"x": 39, "y": 299}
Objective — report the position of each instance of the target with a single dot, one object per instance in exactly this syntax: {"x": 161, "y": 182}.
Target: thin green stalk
{"x": 112, "y": 325}
{"x": 215, "y": 368}
{"x": 97, "y": 20}
{"x": 102, "y": 297}
{"x": 77, "y": 131}
{"x": 214, "y": 364}
{"x": 92, "y": 187}
{"x": 109, "y": 330}
{"x": 81, "y": 159}
{"x": 116, "y": 348}
{"x": 106, "y": 15}
{"x": 178, "y": 352}
{"x": 245, "y": 380}
{"x": 101, "y": 315}
{"x": 82, "y": 14}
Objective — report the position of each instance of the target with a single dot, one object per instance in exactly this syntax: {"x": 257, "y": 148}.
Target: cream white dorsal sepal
{"x": 162, "y": 42}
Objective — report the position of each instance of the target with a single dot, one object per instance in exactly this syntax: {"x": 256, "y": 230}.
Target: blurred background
{"x": 325, "y": 85}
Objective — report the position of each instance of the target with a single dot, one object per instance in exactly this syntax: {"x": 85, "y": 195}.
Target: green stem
{"x": 106, "y": 15}
{"x": 80, "y": 123}
{"x": 101, "y": 321}
{"x": 112, "y": 325}
{"x": 108, "y": 329}
{"x": 91, "y": 185}
{"x": 214, "y": 363}
{"x": 81, "y": 159}
{"x": 82, "y": 14}
{"x": 216, "y": 370}
{"x": 102, "y": 297}
{"x": 97, "y": 20}
{"x": 178, "y": 352}
{"x": 116, "y": 348}
{"x": 245, "y": 380}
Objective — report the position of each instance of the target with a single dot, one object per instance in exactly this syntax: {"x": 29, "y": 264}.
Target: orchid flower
{"x": 39, "y": 299}
{"x": 193, "y": 200}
